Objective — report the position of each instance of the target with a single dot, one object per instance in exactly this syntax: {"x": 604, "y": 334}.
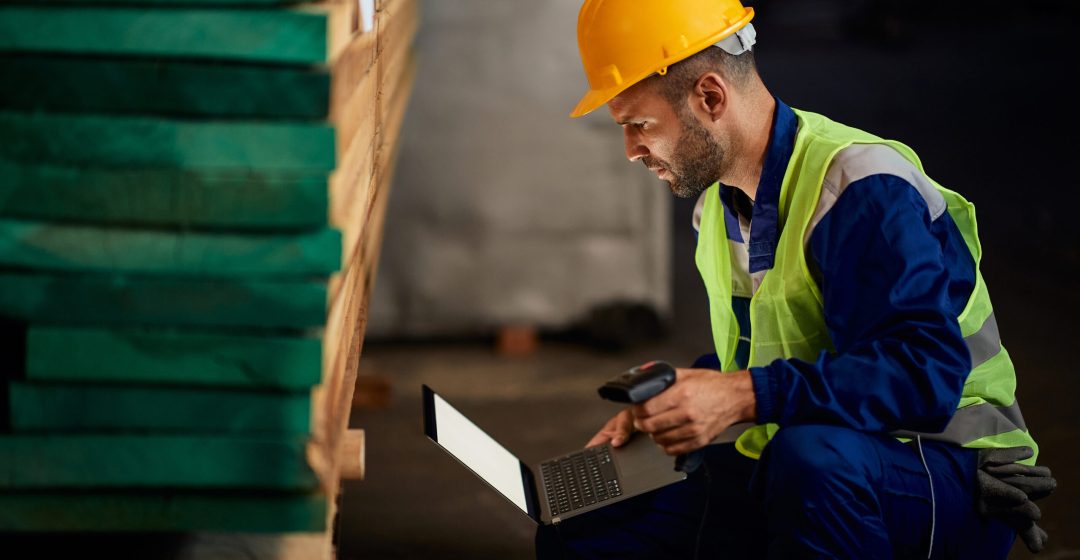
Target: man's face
{"x": 671, "y": 143}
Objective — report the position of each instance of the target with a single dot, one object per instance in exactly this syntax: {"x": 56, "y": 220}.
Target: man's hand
{"x": 617, "y": 430}
{"x": 701, "y": 404}
{"x": 1007, "y": 490}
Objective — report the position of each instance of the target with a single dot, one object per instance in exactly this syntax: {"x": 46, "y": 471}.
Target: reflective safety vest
{"x": 786, "y": 311}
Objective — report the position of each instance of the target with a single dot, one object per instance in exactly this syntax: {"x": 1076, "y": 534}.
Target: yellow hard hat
{"x": 625, "y": 41}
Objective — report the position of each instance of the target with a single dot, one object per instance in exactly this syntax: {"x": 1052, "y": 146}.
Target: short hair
{"x": 681, "y": 76}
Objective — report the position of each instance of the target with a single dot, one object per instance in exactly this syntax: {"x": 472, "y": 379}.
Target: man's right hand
{"x": 616, "y": 432}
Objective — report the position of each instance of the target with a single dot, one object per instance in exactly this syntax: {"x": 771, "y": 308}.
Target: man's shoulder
{"x": 873, "y": 173}
{"x": 851, "y": 166}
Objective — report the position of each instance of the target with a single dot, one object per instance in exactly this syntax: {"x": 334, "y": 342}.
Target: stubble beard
{"x": 698, "y": 161}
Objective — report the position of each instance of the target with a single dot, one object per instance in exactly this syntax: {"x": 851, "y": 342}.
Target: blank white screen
{"x": 479, "y": 452}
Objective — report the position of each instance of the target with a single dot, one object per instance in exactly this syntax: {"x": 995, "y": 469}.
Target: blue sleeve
{"x": 892, "y": 283}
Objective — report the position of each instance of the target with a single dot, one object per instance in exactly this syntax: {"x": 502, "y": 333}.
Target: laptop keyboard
{"x": 580, "y": 479}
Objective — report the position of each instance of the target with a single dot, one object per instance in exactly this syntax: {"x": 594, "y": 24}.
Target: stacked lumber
{"x": 191, "y": 205}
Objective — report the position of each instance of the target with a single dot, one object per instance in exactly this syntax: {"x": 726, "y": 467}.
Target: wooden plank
{"x": 344, "y": 335}
{"x": 76, "y": 248}
{"x": 234, "y": 199}
{"x": 123, "y": 300}
{"x": 350, "y": 184}
{"x": 167, "y": 3}
{"x": 152, "y": 142}
{"x": 173, "y": 511}
{"x": 154, "y": 461}
{"x": 68, "y": 408}
{"x": 353, "y": 100}
{"x": 308, "y": 34}
{"x": 109, "y": 85}
{"x": 145, "y": 356}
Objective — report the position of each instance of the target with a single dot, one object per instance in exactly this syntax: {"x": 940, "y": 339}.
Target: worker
{"x": 852, "y": 326}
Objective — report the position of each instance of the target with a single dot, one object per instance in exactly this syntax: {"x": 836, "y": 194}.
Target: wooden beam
{"x": 76, "y": 248}
{"x": 105, "y": 510}
{"x": 306, "y": 34}
{"x": 86, "y": 300}
{"x": 179, "y": 87}
{"x": 100, "y": 141}
{"x": 169, "y": 357}
{"x": 154, "y": 461}
{"x": 353, "y": 455}
{"x": 234, "y": 199}
{"x": 69, "y": 408}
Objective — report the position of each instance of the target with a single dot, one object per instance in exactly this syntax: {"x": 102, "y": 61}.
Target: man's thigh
{"x": 830, "y": 490}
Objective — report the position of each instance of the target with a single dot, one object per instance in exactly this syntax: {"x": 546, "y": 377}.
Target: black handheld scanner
{"x": 642, "y": 383}
{"x": 639, "y": 384}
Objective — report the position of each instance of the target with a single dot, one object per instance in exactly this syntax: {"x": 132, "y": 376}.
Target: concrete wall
{"x": 503, "y": 209}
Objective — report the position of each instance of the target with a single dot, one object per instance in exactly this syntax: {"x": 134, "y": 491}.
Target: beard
{"x": 698, "y": 161}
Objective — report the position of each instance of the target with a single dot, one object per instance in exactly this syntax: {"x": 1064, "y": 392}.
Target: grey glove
{"x": 1007, "y": 490}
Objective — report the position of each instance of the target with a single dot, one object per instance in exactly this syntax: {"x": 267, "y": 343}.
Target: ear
{"x": 711, "y": 96}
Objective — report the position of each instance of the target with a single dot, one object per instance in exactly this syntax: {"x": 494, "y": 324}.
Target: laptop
{"x": 556, "y": 489}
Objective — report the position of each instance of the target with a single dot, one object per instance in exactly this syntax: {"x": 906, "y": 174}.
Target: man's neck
{"x": 752, "y": 144}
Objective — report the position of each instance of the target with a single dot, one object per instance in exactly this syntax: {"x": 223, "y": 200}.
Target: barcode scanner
{"x": 641, "y": 383}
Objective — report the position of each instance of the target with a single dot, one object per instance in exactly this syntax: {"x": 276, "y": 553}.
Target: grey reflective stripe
{"x": 860, "y": 161}
{"x": 984, "y": 343}
{"x": 974, "y": 422}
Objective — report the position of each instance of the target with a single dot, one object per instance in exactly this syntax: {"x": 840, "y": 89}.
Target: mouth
{"x": 660, "y": 171}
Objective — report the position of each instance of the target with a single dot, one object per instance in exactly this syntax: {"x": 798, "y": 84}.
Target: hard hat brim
{"x": 595, "y": 98}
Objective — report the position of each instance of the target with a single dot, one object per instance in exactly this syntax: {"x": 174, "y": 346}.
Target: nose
{"x": 635, "y": 150}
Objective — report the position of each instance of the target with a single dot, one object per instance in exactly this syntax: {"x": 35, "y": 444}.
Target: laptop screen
{"x": 478, "y": 451}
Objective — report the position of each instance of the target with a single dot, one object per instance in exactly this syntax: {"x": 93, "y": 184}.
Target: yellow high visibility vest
{"x": 786, "y": 311}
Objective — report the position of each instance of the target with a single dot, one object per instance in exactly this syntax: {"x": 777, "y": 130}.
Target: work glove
{"x": 1007, "y": 491}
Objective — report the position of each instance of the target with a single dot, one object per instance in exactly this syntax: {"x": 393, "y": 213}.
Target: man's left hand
{"x": 701, "y": 404}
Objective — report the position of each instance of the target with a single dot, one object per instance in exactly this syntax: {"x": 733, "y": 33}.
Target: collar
{"x": 765, "y": 219}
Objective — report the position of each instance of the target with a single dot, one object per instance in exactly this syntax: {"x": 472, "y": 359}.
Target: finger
{"x": 599, "y": 439}
{"x": 1004, "y": 456}
{"x": 1035, "y": 487}
{"x": 685, "y": 446}
{"x": 662, "y": 422}
{"x": 676, "y": 435}
{"x": 1016, "y": 469}
{"x": 661, "y": 403}
{"x": 1034, "y": 538}
{"x": 996, "y": 493}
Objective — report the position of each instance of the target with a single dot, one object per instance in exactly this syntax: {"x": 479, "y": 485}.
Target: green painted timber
{"x": 65, "y": 408}
{"x": 165, "y": 3}
{"x": 69, "y": 248}
{"x": 203, "y": 199}
{"x": 101, "y": 300}
{"x": 154, "y": 461}
{"x": 47, "y": 83}
{"x": 141, "y": 511}
{"x": 290, "y": 36}
{"x": 145, "y": 356}
{"x": 110, "y": 141}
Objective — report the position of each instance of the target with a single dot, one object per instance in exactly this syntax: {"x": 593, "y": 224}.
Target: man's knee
{"x": 808, "y": 461}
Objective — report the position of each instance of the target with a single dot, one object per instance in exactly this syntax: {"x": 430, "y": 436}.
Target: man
{"x": 849, "y": 317}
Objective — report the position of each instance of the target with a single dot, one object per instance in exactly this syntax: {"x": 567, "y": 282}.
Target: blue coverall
{"x": 832, "y": 483}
